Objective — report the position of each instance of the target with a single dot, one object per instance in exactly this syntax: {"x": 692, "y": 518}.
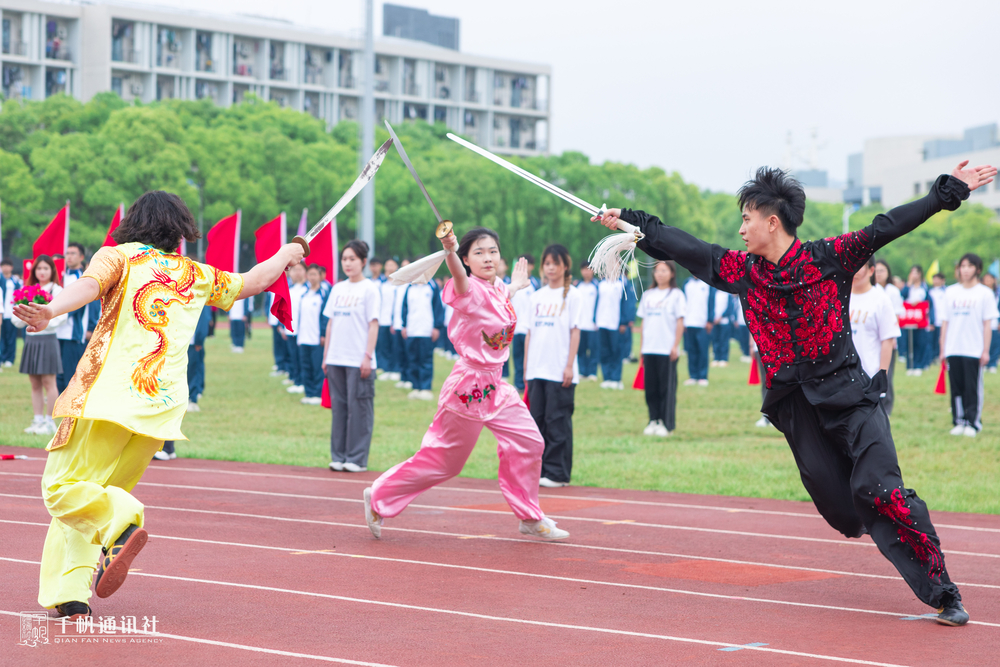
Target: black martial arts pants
{"x": 857, "y": 487}
{"x": 660, "y": 378}
{"x": 551, "y": 406}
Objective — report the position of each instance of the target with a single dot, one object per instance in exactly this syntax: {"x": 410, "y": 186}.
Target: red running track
{"x": 258, "y": 564}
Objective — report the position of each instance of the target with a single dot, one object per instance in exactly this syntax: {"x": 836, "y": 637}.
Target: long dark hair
{"x": 669, "y": 263}
{"x": 359, "y": 248}
{"x": 158, "y": 219}
{"x": 559, "y": 252}
{"x": 888, "y": 270}
{"x": 33, "y": 279}
{"x": 470, "y": 237}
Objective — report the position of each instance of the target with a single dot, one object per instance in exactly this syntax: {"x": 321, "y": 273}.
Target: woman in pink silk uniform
{"x": 474, "y": 396}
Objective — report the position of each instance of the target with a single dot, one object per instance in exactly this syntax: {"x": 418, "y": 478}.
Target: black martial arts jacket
{"x": 798, "y": 311}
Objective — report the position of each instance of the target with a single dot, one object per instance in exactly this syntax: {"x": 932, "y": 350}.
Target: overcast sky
{"x": 712, "y": 89}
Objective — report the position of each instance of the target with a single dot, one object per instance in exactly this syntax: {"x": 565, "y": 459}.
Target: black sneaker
{"x": 72, "y": 611}
{"x": 115, "y": 564}
{"x": 952, "y": 613}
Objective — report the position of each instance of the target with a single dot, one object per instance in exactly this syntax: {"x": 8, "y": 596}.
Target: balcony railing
{"x": 16, "y": 49}
{"x": 411, "y": 89}
{"x": 347, "y": 81}
{"x": 61, "y": 53}
{"x": 473, "y": 96}
{"x": 125, "y": 56}
{"x": 278, "y": 73}
{"x": 381, "y": 86}
{"x": 444, "y": 93}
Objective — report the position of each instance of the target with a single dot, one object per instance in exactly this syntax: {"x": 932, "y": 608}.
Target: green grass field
{"x": 248, "y": 416}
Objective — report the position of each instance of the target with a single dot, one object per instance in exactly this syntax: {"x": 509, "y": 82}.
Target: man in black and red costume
{"x": 796, "y": 298}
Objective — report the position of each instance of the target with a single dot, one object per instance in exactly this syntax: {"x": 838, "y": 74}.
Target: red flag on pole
{"x": 115, "y": 221}
{"x": 270, "y": 237}
{"x": 942, "y": 384}
{"x": 640, "y": 377}
{"x": 223, "y": 251}
{"x": 754, "y": 373}
{"x": 323, "y": 251}
{"x": 55, "y": 238}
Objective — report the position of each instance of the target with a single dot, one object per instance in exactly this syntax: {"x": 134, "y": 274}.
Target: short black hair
{"x": 470, "y": 237}
{"x": 774, "y": 192}
{"x": 974, "y": 259}
{"x": 79, "y": 246}
{"x": 585, "y": 264}
{"x": 358, "y": 247}
{"x": 158, "y": 219}
{"x": 7, "y": 261}
{"x": 939, "y": 275}
{"x": 310, "y": 267}
{"x": 528, "y": 257}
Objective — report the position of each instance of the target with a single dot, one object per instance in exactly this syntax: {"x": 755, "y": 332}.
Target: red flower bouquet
{"x": 31, "y": 294}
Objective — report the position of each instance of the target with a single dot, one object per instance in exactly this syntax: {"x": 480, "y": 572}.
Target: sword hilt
{"x": 302, "y": 242}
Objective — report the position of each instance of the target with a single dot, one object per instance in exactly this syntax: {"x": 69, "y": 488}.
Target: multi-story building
{"x": 153, "y": 54}
{"x": 893, "y": 170}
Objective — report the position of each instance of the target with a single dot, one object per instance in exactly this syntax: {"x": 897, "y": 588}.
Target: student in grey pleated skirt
{"x": 40, "y": 357}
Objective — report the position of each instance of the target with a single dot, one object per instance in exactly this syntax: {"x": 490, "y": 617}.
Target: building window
{"x": 315, "y": 59}
{"x": 168, "y": 49}
{"x": 57, "y": 40}
{"x": 164, "y": 87}
{"x": 440, "y": 114}
{"x": 348, "y": 108}
{"x": 123, "y": 42}
{"x": 414, "y": 111}
{"x": 278, "y": 61}
{"x": 55, "y": 82}
{"x": 244, "y": 51}
{"x": 471, "y": 95}
{"x": 203, "y": 57}
{"x": 13, "y": 86}
{"x": 470, "y": 119}
{"x": 345, "y": 69}
{"x": 410, "y": 86}
{"x": 382, "y": 77}
{"x": 310, "y": 104}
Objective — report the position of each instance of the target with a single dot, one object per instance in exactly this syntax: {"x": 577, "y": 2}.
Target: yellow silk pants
{"x": 86, "y": 487}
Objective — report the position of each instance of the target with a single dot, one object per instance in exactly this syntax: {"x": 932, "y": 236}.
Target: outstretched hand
{"x": 35, "y": 315}
{"x": 450, "y": 242}
{"x": 519, "y": 276}
{"x": 610, "y": 218}
{"x": 975, "y": 176}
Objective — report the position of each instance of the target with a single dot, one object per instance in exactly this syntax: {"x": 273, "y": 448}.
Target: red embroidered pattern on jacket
{"x": 733, "y": 266}
{"x": 927, "y": 552}
{"x": 853, "y": 249}
{"x": 822, "y": 314}
{"x": 767, "y": 321}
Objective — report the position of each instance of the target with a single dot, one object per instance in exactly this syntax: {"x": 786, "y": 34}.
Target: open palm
{"x": 974, "y": 176}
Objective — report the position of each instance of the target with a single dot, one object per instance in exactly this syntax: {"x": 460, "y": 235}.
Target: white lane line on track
{"x": 647, "y": 503}
{"x": 550, "y": 577}
{"x": 569, "y": 545}
{"x": 242, "y": 647}
{"x": 718, "y": 531}
{"x": 504, "y": 619}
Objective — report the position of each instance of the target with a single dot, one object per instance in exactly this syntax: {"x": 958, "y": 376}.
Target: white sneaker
{"x": 970, "y": 431}
{"x": 661, "y": 430}
{"x": 723, "y": 364}
{"x": 161, "y": 456}
{"x": 918, "y": 371}
{"x": 592, "y": 378}
{"x": 36, "y": 422}
{"x": 404, "y": 385}
{"x": 619, "y": 386}
{"x": 550, "y": 484}
{"x": 296, "y": 389}
{"x": 650, "y": 429}
{"x": 48, "y": 426}
{"x": 373, "y": 520}
{"x": 237, "y": 350}
{"x": 763, "y": 422}
{"x": 354, "y": 467}
{"x": 311, "y": 400}
{"x": 385, "y": 377}
{"x": 690, "y": 382}
{"x": 193, "y": 407}
{"x": 544, "y": 528}
{"x": 958, "y": 430}
{"x": 276, "y": 373}
{"x": 746, "y": 359}
{"x": 7, "y": 364}
{"x": 287, "y": 382}
{"x": 702, "y": 383}
{"x": 336, "y": 466}
{"x": 414, "y": 394}
{"x": 993, "y": 369}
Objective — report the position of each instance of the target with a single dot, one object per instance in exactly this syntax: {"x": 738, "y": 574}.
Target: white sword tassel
{"x": 610, "y": 257}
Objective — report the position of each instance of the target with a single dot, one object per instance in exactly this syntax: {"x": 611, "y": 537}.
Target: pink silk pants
{"x": 446, "y": 447}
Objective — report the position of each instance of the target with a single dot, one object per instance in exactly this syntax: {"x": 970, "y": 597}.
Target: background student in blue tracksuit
{"x": 312, "y": 335}
{"x": 279, "y": 343}
{"x": 699, "y": 319}
{"x": 8, "y": 332}
{"x": 196, "y": 360}
{"x": 726, "y": 307}
{"x": 73, "y": 334}
{"x": 614, "y": 311}
{"x": 628, "y": 320}
{"x": 589, "y": 354}
{"x": 422, "y": 319}
{"x": 521, "y": 301}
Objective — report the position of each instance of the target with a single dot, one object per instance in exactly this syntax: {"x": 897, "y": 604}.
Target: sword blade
{"x": 367, "y": 174}
{"x": 527, "y": 175}
{"x": 413, "y": 172}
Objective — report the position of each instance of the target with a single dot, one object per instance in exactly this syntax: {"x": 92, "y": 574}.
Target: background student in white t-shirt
{"x": 874, "y": 326}
{"x": 936, "y": 295}
{"x": 550, "y": 365}
{"x": 312, "y": 335}
{"x": 966, "y": 330}
{"x": 398, "y": 341}
{"x": 299, "y": 286}
{"x": 352, "y": 314}
{"x": 662, "y": 313}
{"x": 611, "y": 318}
{"x": 422, "y": 320}
{"x": 589, "y": 354}
{"x": 883, "y": 281}
{"x": 522, "y": 309}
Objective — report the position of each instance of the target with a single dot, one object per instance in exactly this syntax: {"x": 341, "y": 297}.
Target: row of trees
{"x": 264, "y": 159}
